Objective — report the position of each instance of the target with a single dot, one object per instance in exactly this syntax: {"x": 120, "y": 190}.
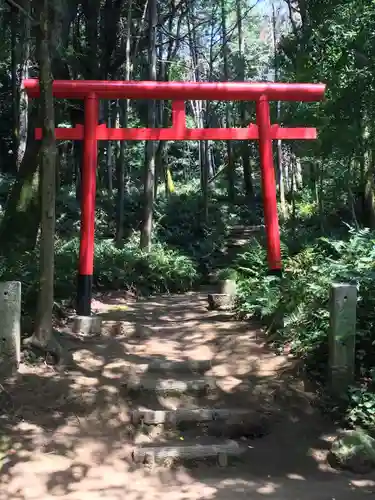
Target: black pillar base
{"x": 84, "y": 294}
{"x": 276, "y": 272}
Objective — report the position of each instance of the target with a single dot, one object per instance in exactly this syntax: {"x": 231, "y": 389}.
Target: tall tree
{"x": 228, "y": 110}
{"x": 48, "y": 17}
{"x": 15, "y": 86}
{"x": 48, "y": 155}
{"x": 245, "y": 153}
{"x": 150, "y": 148}
{"x": 123, "y": 108}
{"x": 279, "y": 156}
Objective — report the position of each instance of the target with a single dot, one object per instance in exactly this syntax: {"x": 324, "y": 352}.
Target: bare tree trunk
{"x": 280, "y": 163}
{"x": 43, "y": 337}
{"x": 91, "y": 9}
{"x": 197, "y": 106}
{"x": 293, "y": 191}
{"x": 109, "y": 156}
{"x": 320, "y": 168}
{"x": 160, "y": 160}
{"x": 146, "y": 230}
{"x": 281, "y": 178}
{"x": 23, "y": 99}
{"x": 20, "y": 224}
{"x": 124, "y": 119}
{"x": 48, "y": 155}
{"x": 228, "y": 113}
{"x": 369, "y": 199}
{"x": 245, "y": 154}
{"x": 120, "y": 174}
{"x": 15, "y": 87}
{"x": 164, "y": 64}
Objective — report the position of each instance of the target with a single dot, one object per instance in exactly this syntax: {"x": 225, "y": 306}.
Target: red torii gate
{"x": 91, "y": 91}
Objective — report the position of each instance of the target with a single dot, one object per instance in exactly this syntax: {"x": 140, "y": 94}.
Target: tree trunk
{"x": 15, "y": 87}
{"x": 121, "y": 173}
{"x": 43, "y": 337}
{"x": 161, "y": 160}
{"x": 369, "y": 199}
{"x": 146, "y": 230}
{"x": 109, "y": 155}
{"x": 293, "y": 167}
{"x": 160, "y": 151}
{"x": 245, "y": 154}
{"x": 124, "y": 120}
{"x": 279, "y": 156}
{"x": 48, "y": 154}
{"x": 20, "y": 224}
{"x": 197, "y": 106}
{"x": 228, "y": 113}
{"x": 281, "y": 179}
{"x": 23, "y": 99}
{"x": 91, "y": 9}
{"x": 320, "y": 168}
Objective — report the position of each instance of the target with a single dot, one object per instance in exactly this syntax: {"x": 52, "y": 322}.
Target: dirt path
{"x": 68, "y": 436}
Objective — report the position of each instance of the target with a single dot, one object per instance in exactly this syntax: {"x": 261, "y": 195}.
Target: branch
{"x": 292, "y": 21}
{"x": 17, "y": 6}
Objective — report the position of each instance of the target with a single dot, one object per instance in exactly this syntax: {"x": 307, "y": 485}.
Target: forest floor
{"x": 68, "y": 436}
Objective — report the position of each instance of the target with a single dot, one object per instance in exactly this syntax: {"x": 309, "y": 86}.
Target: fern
{"x": 302, "y": 297}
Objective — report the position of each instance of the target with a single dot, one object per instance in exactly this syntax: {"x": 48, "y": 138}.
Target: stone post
{"x": 10, "y": 327}
{"x": 343, "y": 314}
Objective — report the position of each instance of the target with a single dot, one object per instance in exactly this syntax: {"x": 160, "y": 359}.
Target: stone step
{"x": 244, "y": 230}
{"x": 155, "y": 417}
{"x": 239, "y": 235}
{"x": 167, "y": 453}
{"x": 146, "y": 383}
{"x": 188, "y": 366}
{"x": 220, "y": 301}
{"x": 236, "y": 243}
{"x": 239, "y": 228}
{"x": 166, "y": 367}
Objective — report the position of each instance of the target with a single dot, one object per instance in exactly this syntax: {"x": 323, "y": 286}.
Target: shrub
{"x": 258, "y": 294}
{"x": 227, "y": 274}
{"x": 302, "y": 298}
{"x": 182, "y": 225}
{"x": 161, "y": 270}
{"x": 361, "y": 408}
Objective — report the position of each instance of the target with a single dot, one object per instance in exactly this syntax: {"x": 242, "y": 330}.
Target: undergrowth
{"x": 184, "y": 240}
{"x": 181, "y": 224}
{"x": 128, "y": 268}
{"x": 301, "y": 298}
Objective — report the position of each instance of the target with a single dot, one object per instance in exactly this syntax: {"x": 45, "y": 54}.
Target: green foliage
{"x": 302, "y": 299}
{"x": 181, "y": 224}
{"x": 361, "y": 407}
{"x": 258, "y": 294}
{"x": 182, "y": 249}
{"x": 179, "y": 221}
{"x": 334, "y": 43}
{"x": 162, "y": 270}
{"x": 227, "y": 274}
{"x": 354, "y": 449}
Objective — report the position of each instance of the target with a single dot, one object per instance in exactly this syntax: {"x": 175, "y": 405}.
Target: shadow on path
{"x": 68, "y": 435}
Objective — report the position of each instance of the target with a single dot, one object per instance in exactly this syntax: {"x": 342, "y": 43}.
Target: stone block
{"x": 342, "y": 333}
{"x": 87, "y": 325}
{"x": 10, "y": 327}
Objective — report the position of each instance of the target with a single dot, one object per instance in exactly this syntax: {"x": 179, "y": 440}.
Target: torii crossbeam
{"x": 91, "y": 91}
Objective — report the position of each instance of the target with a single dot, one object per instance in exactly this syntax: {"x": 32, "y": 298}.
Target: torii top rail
{"x": 91, "y": 91}
{"x": 224, "y": 91}
{"x": 179, "y": 92}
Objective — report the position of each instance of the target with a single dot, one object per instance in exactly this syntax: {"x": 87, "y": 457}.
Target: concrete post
{"x": 10, "y": 327}
{"x": 343, "y": 315}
